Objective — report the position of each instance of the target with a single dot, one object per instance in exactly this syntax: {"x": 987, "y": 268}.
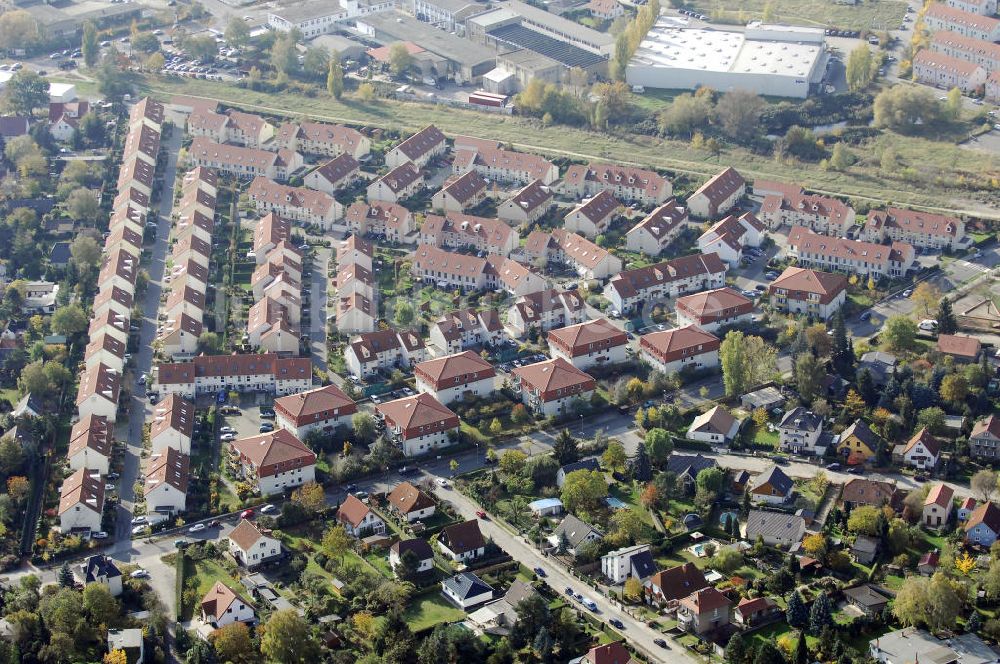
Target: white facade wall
{"x": 708, "y": 360}
{"x": 97, "y": 405}
{"x": 164, "y": 496}
{"x": 683, "y": 320}
{"x": 605, "y": 356}
{"x": 261, "y": 550}
{"x": 426, "y": 443}
{"x": 79, "y": 516}
{"x": 88, "y": 458}
{"x": 273, "y": 484}
{"x": 301, "y": 432}
{"x": 480, "y": 388}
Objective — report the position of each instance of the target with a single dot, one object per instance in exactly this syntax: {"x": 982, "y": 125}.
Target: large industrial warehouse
{"x": 776, "y": 60}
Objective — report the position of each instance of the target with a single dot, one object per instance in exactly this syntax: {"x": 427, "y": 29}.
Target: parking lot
{"x": 247, "y": 422}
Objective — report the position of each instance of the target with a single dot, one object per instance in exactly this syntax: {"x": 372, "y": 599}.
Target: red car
{"x": 246, "y": 514}
{"x": 481, "y": 514}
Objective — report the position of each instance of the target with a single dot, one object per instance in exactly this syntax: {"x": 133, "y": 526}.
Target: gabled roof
{"x": 422, "y": 142}
{"x": 583, "y": 335}
{"x": 679, "y": 581}
{"x": 776, "y": 478}
{"x": 632, "y": 282}
{"x": 800, "y": 419}
{"x": 860, "y": 430}
{"x": 590, "y": 463}
{"x": 609, "y": 653}
{"x": 718, "y": 420}
{"x": 689, "y": 337}
{"x": 407, "y": 498}
{"x": 531, "y": 196}
{"x": 941, "y": 495}
{"x": 550, "y": 375}
{"x": 989, "y": 425}
{"x": 924, "y": 436}
{"x": 218, "y": 600}
{"x": 100, "y": 566}
{"x": 660, "y": 222}
{"x": 308, "y": 403}
{"x": 863, "y": 491}
{"x": 168, "y": 467}
{"x": 352, "y": 511}
{"x": 272, "y": 448}
{"x": 417, "y": 545}
{"x": 867, "y": 595}
{"x": 598, "y": 207}
{"x": 84, "y": 487}
{"x": 689, "y": 464}
{"x": 466, "y": 585}
{"x": 576, "y": 531}
{"x": 458, "y": 369}
{"x": 245, "y": 534}
{"x": 704, "y": 600}
{"x": 416, "y": 411}
{"x": 649, "y": 182}
{"x": 721, "y": 186}
{"x": 987, "y": 514}
{"x": 462, "y": 537}
{"x": 959, "y": 345}
{"x": 713, "y": 302}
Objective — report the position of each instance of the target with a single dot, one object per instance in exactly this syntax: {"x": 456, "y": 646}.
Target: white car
{"x": 227, "y": 437}
{"x": 139, "y": 574}
{"x": 139, "y": 519}
{"x": 139, "y": 530}
{"x": 100, "y": 534}
{"x": 196, "y": 528}
{"x": 109, "y": 487}
{"x": 442, "y": 482}
{"x": 267, "y": 509}
{"x": 227, "y": 430}
{"x": 928, "y": 325}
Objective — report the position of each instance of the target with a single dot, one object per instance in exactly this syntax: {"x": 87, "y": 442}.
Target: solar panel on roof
{"x": 567, "y": 54}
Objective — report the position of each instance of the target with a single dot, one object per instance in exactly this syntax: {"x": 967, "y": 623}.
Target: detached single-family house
{"x": 102, "y": 569}
{"x": 962, "y": 348}
{"x": 872, "y": 600}
{"x": 466, "y": 590}
{"x": 865, "y": 549}
{"x": 669, "y": 586}
{"x": 776, "y": 528}
{"x": 572, "y": 533}
{"x": 632, "y": 561}
{"x": 758, "y": 610}
{"x": 983, "y": 526}
{"x": 359, "y": 519}
{"x": 881, "y": 366}
{"x": 716, "y": 426}
{"x": 861, "y": 491}
{"x": 462, "y": 541}
{"x": 858, "y": 444}
{"x": 418, "y": 547}
{"x": 590, "y": 463}
{"x": 937, "y": 506}
{"x": 81, "y": 502}
{"x": 772, "y": 487}
{"x": 251, "y": 547}
{"x": 704, "y": 611}
{"x": 800, "y": 431}
{"x": 411, "y": 503}
{"x": 921, "y": 452}
{"x": 221, "y": 606}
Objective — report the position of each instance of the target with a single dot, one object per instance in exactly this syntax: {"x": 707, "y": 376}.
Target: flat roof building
{"x": 782, "y": 61}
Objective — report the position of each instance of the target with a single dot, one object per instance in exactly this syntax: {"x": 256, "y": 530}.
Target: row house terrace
{"x": 244, "y": 162}
{"x": 398, "y": 184}
{"x": 246, "y": 129}
{"x": 98, "y": 392}
{"x": 586, "y": 258}
{"x": 178, "y": 336}
{"x": 658, "y": 229}
{"x": 527, "y": 205}
{"x": 507, "y": 166}
{"x": 207, "y": 374}
{"x": 271, "y": 230}
{"x": 730, "y": 236}
{"x": 269, "y": 328}
{"x": 142, "y": 143}
{"x": 418, "y": 149}
{"x": 91, "y": 443}
{"x": 318, "y": 138}
{"x": 456, "y": 230}
{"x": 452, "y": 270}
{"x": 355, "y": 249}
{"x": 545, "y": 310}
{"x": 172, "y": 425}
{"x": 628, "y": 290}
{"x": 947, "y": 72}
{"x": 633, "y": 185}
{"x": 921, "y": 229}
{"x": 461, "y": 192}
{"x": 717, "y": 196}
{"x": 594, "y": 216}
{"x": 983, "y": 53}
{"x": 296, "y": 203}
{"x": 340, "y": 172}
{"x": 356, "y": 314}
{"x": 166, "y": 480}
{"x": 466, "y": 328}
{"x": 593, "y": 343}
{"x": 384, "y": 350}
{"x": 820, "y": 214}
{"x": 385, "y": 218}
{"x": 105, "y": 349}
{"x": 354, "y": 278}
{"x": 982, "y": 7}
{"x": 852, "y": 256}
{"x": 939, "y": 16}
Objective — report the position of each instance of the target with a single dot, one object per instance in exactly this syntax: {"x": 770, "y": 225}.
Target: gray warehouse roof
{"x": 393, "y": 26}
{"x": 567, "y": 54}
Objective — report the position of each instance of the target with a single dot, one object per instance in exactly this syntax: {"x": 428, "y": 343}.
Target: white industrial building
{"x": 776, "y": 60}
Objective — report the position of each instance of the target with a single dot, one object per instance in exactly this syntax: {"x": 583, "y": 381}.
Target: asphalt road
{"x": 143, "y": 357}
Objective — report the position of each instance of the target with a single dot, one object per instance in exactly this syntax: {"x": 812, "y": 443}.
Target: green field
{"x": 939, "y": 165}
{"x": 876, "y": 15}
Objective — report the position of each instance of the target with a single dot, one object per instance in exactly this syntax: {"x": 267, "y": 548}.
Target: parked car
{"x": 616, "y": 623}
{"x": 227, "y": 430}
{"x": 660, "y": 642}
{"x": 481, "y": 514}
{"x": 139, "y": 574}
{"x": 408, "y": 470}
{"x": 226, "y": 437}
{"x": 265, "y": 427}
{"x": 540, "y": 572}
{"x": 441, "y": 482}
{"x": 267, "y": 413}
{"x": 267, "y": 509}
{"x": 141, "y": 519}
{"x": 246, "y": 514}
{"x": 100, "y": 534}
{"x": 196, "y": 528}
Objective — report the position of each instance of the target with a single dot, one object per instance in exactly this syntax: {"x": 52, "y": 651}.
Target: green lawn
{"x": 11, "y": 395}
{"x": 774, "y": 632}
{"x": 208, "y": 572}
{"x": 629, "y": 494}
{"x": 431, "y": 610}
{"x": 766, "y": 438}
{"x": 928, "y": 171}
